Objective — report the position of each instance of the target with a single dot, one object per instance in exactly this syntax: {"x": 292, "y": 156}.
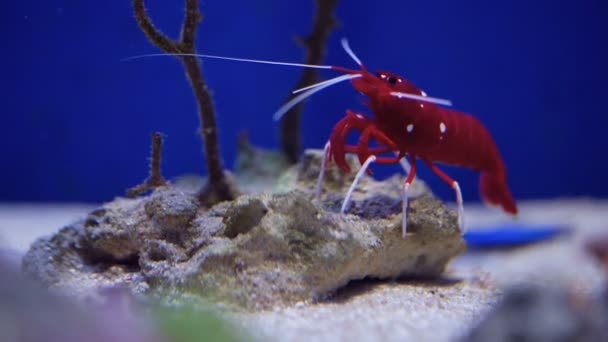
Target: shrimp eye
{"x": 389, "y": 79}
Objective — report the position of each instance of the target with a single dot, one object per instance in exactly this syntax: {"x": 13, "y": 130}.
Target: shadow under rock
{"x": 356, "y": 288}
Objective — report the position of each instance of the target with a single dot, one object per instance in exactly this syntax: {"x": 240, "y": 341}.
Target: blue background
{"x": 76, "y": 119}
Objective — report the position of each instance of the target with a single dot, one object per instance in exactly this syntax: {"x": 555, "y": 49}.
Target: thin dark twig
{"x": 191, "y": 19}
{"x": 315, "y": 43}
{"x": 155, "y": 179}
{"x": 217, "y": 188}
{"x": 154, "y": 35}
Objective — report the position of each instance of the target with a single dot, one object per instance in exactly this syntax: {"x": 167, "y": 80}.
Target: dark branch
{"x": 314, "y": 44}
{"x": 154, "y": 35}
{"x": 217, "y": 180}
{"x": 155, "y": 179}
{"x": 217, "y": 188}
{"x": 191, "y": 19}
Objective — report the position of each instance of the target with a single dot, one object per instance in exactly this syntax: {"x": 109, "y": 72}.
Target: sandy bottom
{"x": 370, "y": 310}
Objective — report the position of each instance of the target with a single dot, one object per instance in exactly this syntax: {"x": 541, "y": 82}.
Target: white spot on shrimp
{"x": 421, "y": 105}
{"x": 442, "y": 127}
{"x": 359, "y": 116}
{"x": 410, "y": 128}
{"x": 422, "y": 93}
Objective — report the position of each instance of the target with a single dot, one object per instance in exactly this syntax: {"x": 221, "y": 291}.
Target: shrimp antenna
{"x": 350, "y": 52}
{"x": 322, "y": 83}
{"x": 311, "y": 91}
{"x": 259, "y": 61}
{"x": 421, "y": 98}
{"x": 332, "y": 81}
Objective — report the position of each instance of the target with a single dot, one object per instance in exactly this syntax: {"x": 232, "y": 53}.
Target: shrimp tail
{"x": 494, "y": 191}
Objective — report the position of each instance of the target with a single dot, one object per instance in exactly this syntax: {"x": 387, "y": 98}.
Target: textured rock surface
{"x": 257, "y": 169}
{"x": 304, "y": 176}
{"x": 259, "y": 251}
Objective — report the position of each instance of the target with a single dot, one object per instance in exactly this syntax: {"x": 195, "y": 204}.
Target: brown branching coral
{"x": 155, "y": 179}
{"x": 217, "y": 188}
{"x": 314, "y": 44}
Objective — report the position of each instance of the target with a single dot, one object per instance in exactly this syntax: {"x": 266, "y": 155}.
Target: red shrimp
{"x": 408, "y": 122}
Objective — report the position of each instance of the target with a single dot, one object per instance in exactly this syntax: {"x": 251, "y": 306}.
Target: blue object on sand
{"x": 510, "y": 235}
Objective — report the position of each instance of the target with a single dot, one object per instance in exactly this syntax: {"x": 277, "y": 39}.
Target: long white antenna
{"x": 350, "y": 52}
{"x": 422, "y": 98}
{"x": 331, "y": 80}
{"x": 291, "y": 103}
{"x": 230, "y": 59}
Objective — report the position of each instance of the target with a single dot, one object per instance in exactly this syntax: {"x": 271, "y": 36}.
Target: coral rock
{"x": 257, "y": 252}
